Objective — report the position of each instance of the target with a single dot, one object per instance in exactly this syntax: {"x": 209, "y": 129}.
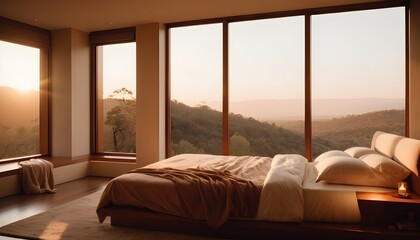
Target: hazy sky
{"x": 354, "y": 55}
{"x": 119, "y": 67}
{"x": 19, "y": 66}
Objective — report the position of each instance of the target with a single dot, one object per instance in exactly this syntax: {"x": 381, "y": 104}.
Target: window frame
{"x": 28, "y": 35}
{"x": 96, "y": 39}
{"x": 307, "y": 13}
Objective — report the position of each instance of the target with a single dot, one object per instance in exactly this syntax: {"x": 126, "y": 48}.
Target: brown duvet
{"x": 210, "y": 195}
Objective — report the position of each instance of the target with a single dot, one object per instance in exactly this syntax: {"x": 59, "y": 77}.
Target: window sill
{"x": 113, "y": 158}
{"x": 13, "y": 168}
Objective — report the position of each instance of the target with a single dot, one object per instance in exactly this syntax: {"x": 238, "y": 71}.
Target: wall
{"x": 11, "y": 184}
{"x": 150, "y": 120}
{"x": 150, "y": 130}
{"x": 70, "y": 93}
{"x": 414, "y": 72}
{"x": 80, "y": 91}
{"x": 61, "y": 96}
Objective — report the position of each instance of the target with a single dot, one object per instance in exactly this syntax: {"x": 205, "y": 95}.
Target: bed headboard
{"x": 402, "y": 149}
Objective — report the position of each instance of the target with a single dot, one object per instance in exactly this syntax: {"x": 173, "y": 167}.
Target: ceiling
{"x": 95, "y": 15}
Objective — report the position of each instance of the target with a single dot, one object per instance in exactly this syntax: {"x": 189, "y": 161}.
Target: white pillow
{"x": 357, "y": 152}
{"x": 371, "y": 171}
{"x": 386, "y": 166}
{"x": 344, "y": 170}
{"x": 331, "y": 153}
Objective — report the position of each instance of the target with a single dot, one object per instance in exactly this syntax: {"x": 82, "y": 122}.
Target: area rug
{"x": 78, "y": 220}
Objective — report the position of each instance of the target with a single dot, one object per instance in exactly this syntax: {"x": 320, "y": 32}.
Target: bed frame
{"x": 252, "y": 229}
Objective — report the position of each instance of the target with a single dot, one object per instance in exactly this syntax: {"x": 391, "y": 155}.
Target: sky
{"x": 19, "y": 66}
{"x": 119, "y": 68}
{"x": 354, "y": 55}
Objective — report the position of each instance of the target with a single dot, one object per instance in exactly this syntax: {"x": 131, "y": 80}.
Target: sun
{"x": 24, "y": 86}
{"x": 19, "y": 67}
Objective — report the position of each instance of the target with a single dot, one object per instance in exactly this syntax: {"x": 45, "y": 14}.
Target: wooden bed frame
{"x": 252, "y": 229}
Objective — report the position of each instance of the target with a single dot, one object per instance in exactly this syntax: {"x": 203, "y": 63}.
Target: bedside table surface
{"x": 386, "y": 197}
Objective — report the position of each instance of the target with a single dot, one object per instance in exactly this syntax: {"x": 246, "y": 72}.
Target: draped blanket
{"x": 209, "y": 195}
{"x": 37, "y": 176}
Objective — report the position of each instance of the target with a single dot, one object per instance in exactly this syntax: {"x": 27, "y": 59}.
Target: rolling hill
{"x": 199, "y": 129}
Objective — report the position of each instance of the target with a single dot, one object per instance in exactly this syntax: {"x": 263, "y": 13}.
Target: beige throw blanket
{"x": 37, "y": 176}
{"x": 209, "y": 195}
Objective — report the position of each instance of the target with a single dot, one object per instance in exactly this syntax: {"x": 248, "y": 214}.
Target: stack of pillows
{"x": 359, "y": 166}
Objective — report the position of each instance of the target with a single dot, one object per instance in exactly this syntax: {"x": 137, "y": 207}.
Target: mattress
{"x": 276, "y": 176}
{"x": 290, "y": 192}
{"x": 325, "y": 202}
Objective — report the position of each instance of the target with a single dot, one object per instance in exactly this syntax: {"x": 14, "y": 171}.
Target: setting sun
{"x": 19, "y": 66}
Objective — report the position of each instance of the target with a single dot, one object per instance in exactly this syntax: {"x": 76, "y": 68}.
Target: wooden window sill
{"x": 11, "y": 168}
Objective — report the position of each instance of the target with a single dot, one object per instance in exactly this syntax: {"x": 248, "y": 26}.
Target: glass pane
{"x": 196, "y": 89}
{"x": 116, "y": 104}
{"x": 358, "y": 77}
{"x": 19, "y": 100}
{"x": 266, "y": 86}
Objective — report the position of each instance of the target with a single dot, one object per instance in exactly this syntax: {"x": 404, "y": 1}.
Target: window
{"x": 23, "y": 90}
{"x": 358, "y": 77}
{"x": 196, "y": 89}
{"x": 266, "y": 86}
{"x": 116, "y": 98}
{"x": 301, "y": 82}
{"x": 19, "y": 100}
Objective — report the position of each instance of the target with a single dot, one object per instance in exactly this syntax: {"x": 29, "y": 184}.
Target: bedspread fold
{"x": 282, "y": 195}
{"x": 209, "y": 195}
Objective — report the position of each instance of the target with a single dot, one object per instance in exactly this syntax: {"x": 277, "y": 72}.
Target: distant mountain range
{"x": 293, "y": 109}
{"x": 199, "y": 130}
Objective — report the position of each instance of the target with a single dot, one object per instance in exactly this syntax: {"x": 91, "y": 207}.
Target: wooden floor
{"x": 20, "y": 206}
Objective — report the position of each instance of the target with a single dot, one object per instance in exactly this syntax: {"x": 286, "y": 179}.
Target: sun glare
{"x": 19, "y": 66}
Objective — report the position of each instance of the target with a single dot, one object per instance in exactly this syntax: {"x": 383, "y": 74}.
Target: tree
{"x": 184, "y": 147}
{"x": 239, "y": 145}
{"x": 122, "y": 119}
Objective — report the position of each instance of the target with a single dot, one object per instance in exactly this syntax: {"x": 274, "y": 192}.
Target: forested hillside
{"x": 199, "y": 130}
{"x": 19, "y": 122}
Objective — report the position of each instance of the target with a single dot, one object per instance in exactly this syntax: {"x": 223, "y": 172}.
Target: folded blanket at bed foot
{"x": 209, "y": 195}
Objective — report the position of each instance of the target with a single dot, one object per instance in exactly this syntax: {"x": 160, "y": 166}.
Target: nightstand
{"x": 383, "y": 209}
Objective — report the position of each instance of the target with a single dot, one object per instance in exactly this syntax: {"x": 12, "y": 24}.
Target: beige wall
{"x": 11, "y": 184}
{"x": 150, "y": 120}
{"x": 80, "y": 92}
{"x": 414, "y": 61}
{"x": 150, "y": 130}
{"x": 70, "y": 93}
{"x": 61, "y": 96}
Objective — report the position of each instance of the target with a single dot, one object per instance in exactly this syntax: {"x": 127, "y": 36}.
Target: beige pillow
{"x": 344, "y": 170}
{"x": 374, "y": 171}
{"x": 387, "y": 166}
{"x": 357, "y": 152}
{"x": 331, "y": 153}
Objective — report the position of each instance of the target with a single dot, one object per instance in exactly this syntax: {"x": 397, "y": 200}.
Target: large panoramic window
{"x": 301, "y": 84}
{"x": 266, "y": 86}
{"x": 358, "y": 77}
{"x": 116, "y": 98}
{"x": 19, "y": 100}
{"x": 196, "y": 89}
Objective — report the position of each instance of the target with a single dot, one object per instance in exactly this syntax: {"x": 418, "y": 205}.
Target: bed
{"x": 286, "y": 193}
